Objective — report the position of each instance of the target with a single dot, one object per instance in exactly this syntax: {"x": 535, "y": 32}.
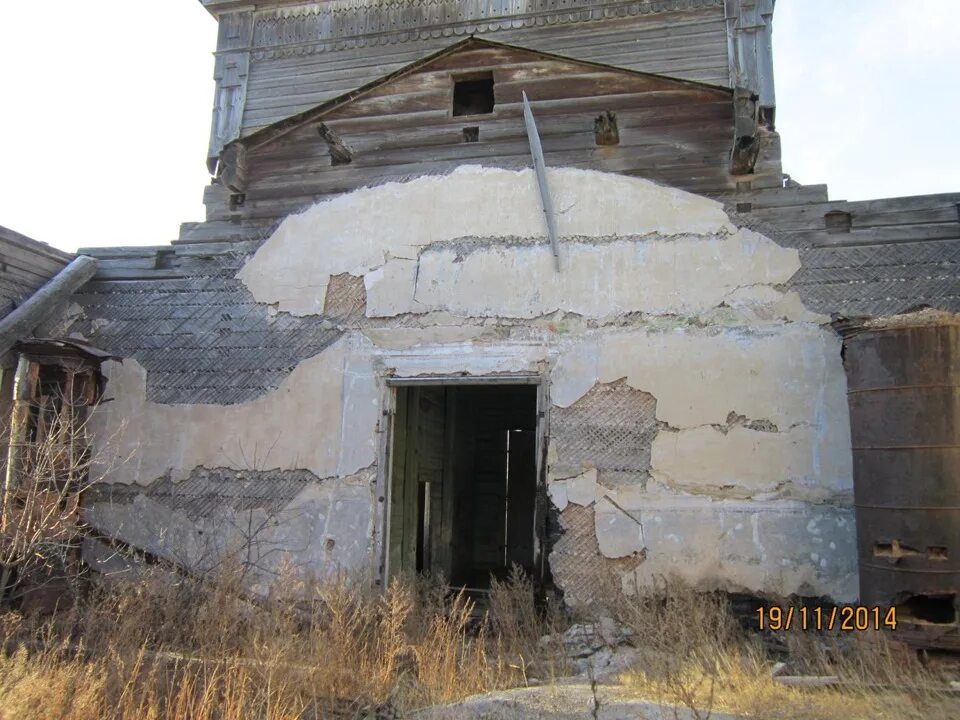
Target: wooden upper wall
{"x": 677, "y": 133}
{"x": 285, "y": 79}
{"x": 278, "y": 58}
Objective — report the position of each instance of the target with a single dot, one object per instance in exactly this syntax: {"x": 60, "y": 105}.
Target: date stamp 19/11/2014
{"x": 845, "y": 618}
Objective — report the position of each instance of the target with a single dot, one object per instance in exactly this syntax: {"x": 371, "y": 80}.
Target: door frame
{"x": 386, "y": 430}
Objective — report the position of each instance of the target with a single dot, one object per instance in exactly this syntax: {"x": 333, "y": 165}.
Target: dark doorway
{"x": 464, "y": 482}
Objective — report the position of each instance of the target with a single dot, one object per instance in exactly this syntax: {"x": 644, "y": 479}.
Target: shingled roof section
{"x": 197, "y": 330}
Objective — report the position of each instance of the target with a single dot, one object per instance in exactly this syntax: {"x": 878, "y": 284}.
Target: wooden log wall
{"x": 297, "y": 62}
{"x": 25, "y": 265}
{"x": 673, "y": 132}
{"x": 864, "y": 258}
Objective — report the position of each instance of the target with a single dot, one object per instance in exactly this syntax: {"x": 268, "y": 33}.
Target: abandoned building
{"x": 397, "y": 345}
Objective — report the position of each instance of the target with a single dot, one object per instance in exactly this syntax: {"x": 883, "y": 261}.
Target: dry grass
{"x": 170, "y": 647}
{"x": 176, "y": 648}
{"x": 693, "y": 654}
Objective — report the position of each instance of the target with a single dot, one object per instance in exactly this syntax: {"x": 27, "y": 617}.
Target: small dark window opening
{"x": 165, "y": 259}
{"x": 473, "y": 96}
{"x": 837, "y": 221}
{"x": 471, "y": 134}
{"x": 767, "y": 117}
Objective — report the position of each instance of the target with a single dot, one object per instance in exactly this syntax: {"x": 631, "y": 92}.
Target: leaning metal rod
{"x": 540, "y": 168}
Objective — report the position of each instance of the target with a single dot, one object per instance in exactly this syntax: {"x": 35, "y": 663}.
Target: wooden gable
{"x": 673, "y": 131}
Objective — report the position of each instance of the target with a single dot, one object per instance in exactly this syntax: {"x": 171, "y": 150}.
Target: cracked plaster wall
{"x": 322, "y": 531}
{"x": 750, "y": 474}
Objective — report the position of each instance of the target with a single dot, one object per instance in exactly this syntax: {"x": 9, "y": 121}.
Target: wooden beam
{"x": 232, "y": 168}
{"x": 21, "y": 322}
{"x": 540, "y": 168}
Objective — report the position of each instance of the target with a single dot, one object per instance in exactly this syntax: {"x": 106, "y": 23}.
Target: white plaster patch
{"x": 619, "y": 534}
{"x": 745, "y": 461}
{"x": 557, "y": 490}
{"x": 359, "y": 231}
{"x": 758, "y": 546}
{"x": 788, "y": 374}
{"x": 682, "y": 275}
{"x": 583, "y": 489}
{"x": 405, "y": 338}
{"x": 464, "y": 359}
{"x": 322, "y": 418}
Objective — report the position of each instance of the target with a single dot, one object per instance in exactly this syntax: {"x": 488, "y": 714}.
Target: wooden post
{"x": 540, "y": 168}
{"x": 24, "y": 386}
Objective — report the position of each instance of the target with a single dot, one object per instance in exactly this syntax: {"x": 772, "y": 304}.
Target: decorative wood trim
{"x": 345, "y": 24}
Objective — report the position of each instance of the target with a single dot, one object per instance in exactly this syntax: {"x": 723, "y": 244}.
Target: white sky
{"x": 105, "y": 109}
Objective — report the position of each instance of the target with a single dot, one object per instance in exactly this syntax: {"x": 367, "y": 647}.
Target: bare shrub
{"x": 525, "y": 634}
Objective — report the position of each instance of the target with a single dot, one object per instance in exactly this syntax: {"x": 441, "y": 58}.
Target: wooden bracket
{"x": 340, "y": 154}
{"x": 746, "y": 134}
{"x": 232, "y": 168}
{"x": 605, "y": 129}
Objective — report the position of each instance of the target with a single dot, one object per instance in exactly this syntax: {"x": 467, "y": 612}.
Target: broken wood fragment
{"x": 340, "y": 154}
{"x": 605, "y": 129}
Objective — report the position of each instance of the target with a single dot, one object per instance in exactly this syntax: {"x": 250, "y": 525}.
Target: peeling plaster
{"x": 598, "y": 279}
{"x": 583, "y": 489}
{"x": 750, "y": 469}
{"x": 619, "y": 533}
{"x": 324, "y": 530}
{"x": 744, "y": 462}
{"x": 753, "y": 545}
{"x": 358, "y": 232}
{"x": 557, "y": 491}
{"x": 322, "y": 418}
{"x": 788, "y": 374}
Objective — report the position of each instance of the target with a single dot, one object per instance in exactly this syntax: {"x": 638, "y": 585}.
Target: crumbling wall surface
{"x": 698, "y": 422}
{"x": 257, "y": 522}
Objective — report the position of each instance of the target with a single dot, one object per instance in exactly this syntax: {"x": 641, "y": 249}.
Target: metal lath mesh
{"x": 211, "y": 490}
{"x": 576, "y": 561}
{"x": 202, "y": 339}
{"x": 880, "y": 279}
{"x": 346, "y": 296}
{"x": 578, "y": 567}
{"x": 610, "y": 428}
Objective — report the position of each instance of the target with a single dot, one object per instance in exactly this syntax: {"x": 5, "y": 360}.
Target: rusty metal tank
{"x": 903, "y": 376}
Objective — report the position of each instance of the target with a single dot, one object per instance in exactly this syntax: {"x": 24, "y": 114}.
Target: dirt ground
{"x": 575, "y": 701}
